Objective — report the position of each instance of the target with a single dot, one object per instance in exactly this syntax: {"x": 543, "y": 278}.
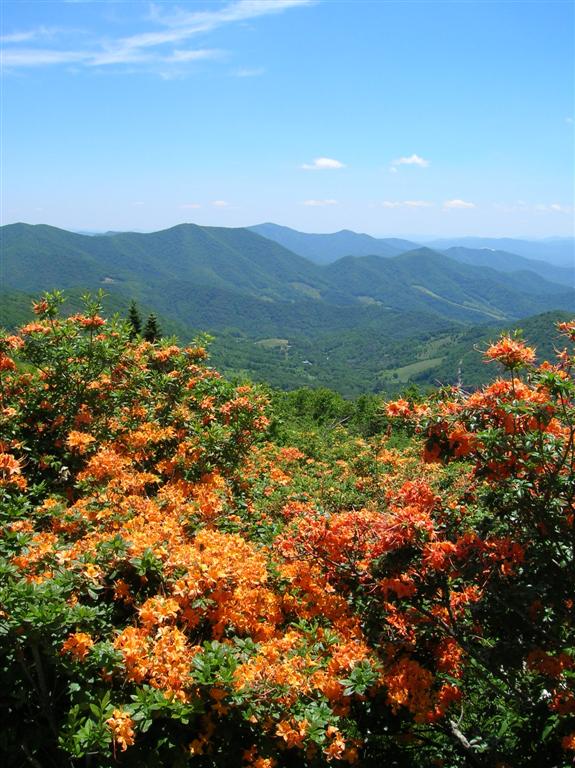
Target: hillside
{"x": 560, "y": 251}
{"x": 193, "y": 272}
{"x": 542, "y": 258}
{"x": 425, "y": 280}
{"x": 41, "y": 258}
{"x": 358, "y": 324}
{"x": 503, "y": 261}
{"x": 323, "y": 249}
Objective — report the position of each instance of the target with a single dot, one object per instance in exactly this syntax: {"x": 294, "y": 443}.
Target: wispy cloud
{"x": 410, "y": 160}
{"x": 569, "y": 120}
{"x": 27, "y": 36}
{"x": 177, "y": 57}
{"x": 248, "y": 72}
{"x": 458, "y": 204}
{"x": 165, "y": 44}
{"x": 520, "y": 206}
{"x": 190, "y": 206}
{"x": 220, "y": 203}
{"x": 323, "y": 164}
{"x": 406, "y": 204}
{"x": 319, "y": 203}
{"x": 39, "y": 57}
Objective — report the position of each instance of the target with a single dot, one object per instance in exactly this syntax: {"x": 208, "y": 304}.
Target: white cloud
{"x": 520, "y": 206}
{"x": 417, "y": 203}
{"x": 248, "y": 72}
{"x": 569, "y": 120}
{"x": 406, "y": 204}
{"x": 411, "y": 160}
{"x": 159, "y": 46}
{"x": 40, "y": 57}
{"x": 220, "y": 203}
{"x": 319, "y": 203}
{"x": 323, "y": 164}
{"x": 139, "y": 203}
{"x": 188, "y": 206}
{"x": 558, "y": 208}
{"x": 18, "y": 37}
{"x": 181, "y": 56}
{"x": 458, "y": 204}
{"x": 29, "y": 34}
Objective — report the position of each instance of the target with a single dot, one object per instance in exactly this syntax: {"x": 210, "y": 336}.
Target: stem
{"x": 465, "y": 745}
{"x": 29, "y": 756}
{"x": 45, "y": 697}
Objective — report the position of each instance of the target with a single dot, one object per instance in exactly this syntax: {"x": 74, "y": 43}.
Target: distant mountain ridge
{"x": 187, "y": 260}
{"x": 503, "y": 261}
{"x": 357, "y": 322}
{"x": 559, "y": 251}
{"x": 553, "y": 260}
{"x": 323, "y": 249}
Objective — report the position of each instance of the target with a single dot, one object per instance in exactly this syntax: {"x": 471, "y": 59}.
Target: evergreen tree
{"x": 152, "y": 330}
{"x": 135, "y": 321}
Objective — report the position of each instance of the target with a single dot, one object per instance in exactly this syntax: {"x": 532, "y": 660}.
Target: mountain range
{"x": 554, "y": 260}
{"x": 331, "y": 301}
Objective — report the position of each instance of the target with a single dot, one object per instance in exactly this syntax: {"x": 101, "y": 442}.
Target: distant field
{"x": 272, "y": 343}
{"x": 405, "y": 373}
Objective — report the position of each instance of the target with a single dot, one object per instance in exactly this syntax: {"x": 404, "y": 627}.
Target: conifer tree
{"x": 135, "y": 321}
{"x": 152, "y": 331}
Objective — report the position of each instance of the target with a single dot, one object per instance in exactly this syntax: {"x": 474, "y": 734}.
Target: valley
{"x": 347, "y": 311}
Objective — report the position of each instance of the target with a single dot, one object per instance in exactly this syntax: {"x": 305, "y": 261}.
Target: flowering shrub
{"x": 177, "y": 590}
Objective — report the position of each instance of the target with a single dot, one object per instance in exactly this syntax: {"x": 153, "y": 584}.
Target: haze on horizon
{"x": 420, "y": 119}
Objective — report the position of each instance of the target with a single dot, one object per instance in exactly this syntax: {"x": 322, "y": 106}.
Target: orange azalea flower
{"x": 88, "y": 322}
{"x": 158, "y": 610}
{"x": 78, "y": 645}
{"x": 546, "y": 664}
{"x": 122, "y": 727}
{"x": 9, "y": 466}
{"x": 35, "y": 328}
{"x": 568, "y": 329}
{"x": 163, "y": 355}
{"x": 293, "y": 736}
{"x": 40, "y": 307}
{"x": 11, "y": 342}
{"x": 337, "y": 746}
{"x": 264, "y": 762}
{"x": 79, "y": 441}
{"x": 409, "y": 685}
{"x": 398, "y": 408}
{"x": 512, "y": 353}
{"x": 6, "y": 363}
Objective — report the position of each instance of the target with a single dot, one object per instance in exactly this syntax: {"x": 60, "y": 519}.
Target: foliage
{"x": 184, "y": 584}
{"x": 152, "y": 330}
{"x": 135, "y": 321}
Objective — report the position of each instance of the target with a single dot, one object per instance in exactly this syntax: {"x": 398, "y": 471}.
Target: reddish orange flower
{"x": 40, "y": 307}
{"x": 398, "y": 408}
{"x": 512, "y": 353}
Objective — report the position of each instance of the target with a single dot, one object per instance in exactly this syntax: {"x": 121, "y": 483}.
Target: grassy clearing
{"x": 272, "y": 343}
{"x": 404, "y": 373}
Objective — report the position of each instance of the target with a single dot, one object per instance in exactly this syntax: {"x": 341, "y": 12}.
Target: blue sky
{"x": 393, "y": 118}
